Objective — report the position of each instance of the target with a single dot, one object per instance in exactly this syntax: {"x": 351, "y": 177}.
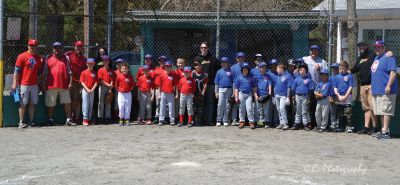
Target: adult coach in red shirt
{"x": 78, "y": 64}
{"x": 58, "y": 82}
{"x": 26, "y": 75}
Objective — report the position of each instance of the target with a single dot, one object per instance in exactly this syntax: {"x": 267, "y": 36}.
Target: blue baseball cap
{"x": 57, "y": 44}
{"x": 244, "y": 65}
{"x": 315, "y": 47}
{"x": 148, "y": 56}
{"x": 272, "y": 62}
{"x": 240, "y": 54}
{"x": 299, "y": 60}
{"x": 262, "y": 64}
{"x": 145, "y": 67}
{"x": 334, "y": 65}
{"x": 225, "y": 59}
{"x": 168, "y": 63}
{"x": 187, "y": 69}
{"x": 105, "y": 57}
{"x": 162, "y": 57}
{"x": 379, "y": 43}
{"x": 120, "y": 60}
{"x": 91, "y": 60}
{"x": 324, "y": 71}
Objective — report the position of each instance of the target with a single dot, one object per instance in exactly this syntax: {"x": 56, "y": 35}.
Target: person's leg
{"x": 142, "y": 106}
{"x": 121, "y": 106}
{"x": 334, "y": 115}
{"x": 325, "y": 114}
{"x": 304, "y": 111}
{"x": 100, "y": 106}
{"x": 128, "y": 106}
{"x": 242, "y": 108}
{"x": 298, "y": 110}
{"x": 91, "y": 99}
{"x": 260, "y": 111}
{"x": 189, "y": 100}
{"x": 250, "y": 109}
{"x": 33, "y": 99}
{"x": 85, "y": 105}
{"x": 161, "y": 107}
{"x": 311, "y": 108}
{"x": 210, "y": 104}
{"x": 282, "y": 110}
{"x": 318, "y": 114}
{"x": 254, "y": 110}
{"x": 221, "y": 105}
{"x": 182, "y": 107}
{"x": 23, "y": 101}
{"x": 386, "y": 122}
{"x": 267, "y": 111}
{"x": 148, "y": 106}
{"x": 171, "y": 108}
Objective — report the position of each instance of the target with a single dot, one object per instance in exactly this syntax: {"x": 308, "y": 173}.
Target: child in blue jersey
{"x": 343, "y": 86}
{"x": 244, "y": 90}
{"x": 302, "y": 86}
{"x": 236, "y": 71}
{"x": 322, "y": 93}
{"x": 223, "y": 91}
{"x": 255, "y": 73}
{"x": 263, "y": 84}
{"x": 282, "y": 83}
{"x": 274, "y": 116}
{"x": 333, "y": 99}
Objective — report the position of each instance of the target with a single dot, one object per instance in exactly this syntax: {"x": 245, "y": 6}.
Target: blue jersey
{"x": 224, "y": 78}
{"x": 343, "y": 82}
{"x": 282, "y": 82}
{"x": 263, "y": 82}
{"x": 255, "y": 72}
{"x": 324, "y": 88}
{"x": 302, "y": 85}
{"x": 244, "y": 84}
{"x": 332, "y": 82}
{"x": 236, "y": 71}
{"x": 380, "y": 73}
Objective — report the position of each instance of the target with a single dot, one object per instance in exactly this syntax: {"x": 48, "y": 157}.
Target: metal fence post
{"x": 217, "y": 36}
{"x": 109, "y": 26}
{"x": 1, "y": 60}
{"x": 330, "y": 30}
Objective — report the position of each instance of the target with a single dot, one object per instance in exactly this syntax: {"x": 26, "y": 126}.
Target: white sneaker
{"x": 226, "y": 124}
{"x": 218, "y": 124}
{"x": 235, "y": 123}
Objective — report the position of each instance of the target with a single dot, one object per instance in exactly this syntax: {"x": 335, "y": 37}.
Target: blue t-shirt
{"x": 380, "y": 73}
{"x": 343, "y": 82}
{"x": 282, "y": 82}
{"x": 224, "y": 78}
{"x": 263, "y": 82}
{"x": 302, "y": 85}
{"x": 332, "y": 82}
{"x": 255, "y": 72}
{"x": 244, "y": 84}
{"x": 324, "y": 88}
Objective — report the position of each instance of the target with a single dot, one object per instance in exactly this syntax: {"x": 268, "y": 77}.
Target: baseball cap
{"x": 91, "y": 60}
{"x": 314, "y": 47}
{"x": 120, "y": 60}
{"x": 240, "y": 54}
{"x": 324, "y": 71}
{"x": 32, "y": 42}
{"x": 145, "y": 67}
{"x": 187, "y": 69}
{"x": 105, "y": 57}
{"x": 379, "y": 43}
{"x": 334, "y": 65}
{"x": 148, "y": 56}
{"x": 168, "y": 63}
{"x": 245, "y": 65}
{"x": 79, "y": 43}
{"x": 361, "y": 44}
{"x": 57, "y": 44}
{"x": 291, "y": 62}
{"x": 162, "y": 57}
{"x": 224, "y": 59}
{"x": 261, "y": 64}
{"x": 299, "y": 60}
{"x": 272, "y": 62}
{"x": 258, "y": 55}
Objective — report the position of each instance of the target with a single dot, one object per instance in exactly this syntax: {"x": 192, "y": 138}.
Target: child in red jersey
{"x": 106, "y": 83}
{"x": 124, "y": 85}
{"x": 167, "y": 84}
{"x": 187, "y": 87}
{"x": 89, "y": 82}
{"x": 118, "y": 64}
{"x": 146, "y": 95}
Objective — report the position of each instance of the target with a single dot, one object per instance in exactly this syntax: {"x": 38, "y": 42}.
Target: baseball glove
{"x": 232, "y": 100}
{"x": 109, "y": 97}
{"x": 264, "y": 99}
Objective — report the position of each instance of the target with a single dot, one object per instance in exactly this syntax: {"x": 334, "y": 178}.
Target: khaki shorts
{"x": 52, "y": 94}
{"x": 29, "y": 94}
{"x": 384, "y": 105}
{"x": 76, "y": 91}
{"x": 366, "y": 98}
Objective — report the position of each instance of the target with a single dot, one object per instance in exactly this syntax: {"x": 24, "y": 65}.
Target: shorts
{"x": 51, "y": 97}
{"x": 76, "y": 91}
{"x": 29, "y": 94}
{"x": 366, "y": 98}
{"x": 384, "y": 105}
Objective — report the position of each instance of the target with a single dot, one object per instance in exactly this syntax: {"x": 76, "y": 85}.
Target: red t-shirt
{"x": 157, "y": 73}
{"x": 167, "y": 82}
{"x": 124, "y": 83}
{"x": 107, "y": 75}
{"x": 30, "y": 65}
{"x": 58, "y": 74}
{"x": 140, "y": 72}
{"x": 187, "y": 85}
{"x": 145, "y": 83}
{"x": 179, "y": 73}
{"x": 89, "y": 78}
{"x": 78, "y": 64}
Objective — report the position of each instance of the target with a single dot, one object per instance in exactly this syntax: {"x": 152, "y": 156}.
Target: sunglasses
{"x": 203, "y": 47}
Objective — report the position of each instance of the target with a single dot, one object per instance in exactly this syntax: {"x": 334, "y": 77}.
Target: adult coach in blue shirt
{"x": 384, "y": 87}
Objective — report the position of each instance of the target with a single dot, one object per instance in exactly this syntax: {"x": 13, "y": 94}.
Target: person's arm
{"x": 236, "y": 93}
{"x": 348, "y": 92}
{"x": 15, "y": 83}
{"x": 94, "y": 87}
{"x": 255, "y": 93}
{"x": 270, "y": 89}
{"x": 392, "y": 78}
{"x": 85, "y": 87}
{"x": 216, "y": 91}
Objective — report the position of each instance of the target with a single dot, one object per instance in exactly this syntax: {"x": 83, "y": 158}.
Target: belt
{"x": 226, "y": 87}
{"x": 306, "y": 94}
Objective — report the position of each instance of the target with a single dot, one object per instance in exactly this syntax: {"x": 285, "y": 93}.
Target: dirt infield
{"x": 201, "y": 155}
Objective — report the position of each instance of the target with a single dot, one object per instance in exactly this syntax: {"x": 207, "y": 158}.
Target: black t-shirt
{"x": 209, "y": 65}
{"x": 363, "y": 67}
{"x": 201, "y": 80}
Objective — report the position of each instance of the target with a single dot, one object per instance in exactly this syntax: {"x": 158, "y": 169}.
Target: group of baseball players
{"x": 297, "y": 94}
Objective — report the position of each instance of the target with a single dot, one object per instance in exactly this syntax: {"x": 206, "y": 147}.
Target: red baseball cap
{"x": 79, "y": 43}
{"x": 32, "y": 42}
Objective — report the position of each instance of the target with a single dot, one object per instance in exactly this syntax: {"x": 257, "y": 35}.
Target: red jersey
{"x": 124, "y": 83}
{"x": 187, "y": 85}
{"x": 89, "y": 78}
{"x": 107, "y": 75}
{"x": 78, "y": 64}
{"x": 157, "y": 73}
{"x": 179, "y": 73}
{"x": 145, "y": 83}
{"x": 58, "y": 72}
{"x": 167, "y": 82}
{"x": 30, "y": 66}
{"x": 140, "y": 72}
